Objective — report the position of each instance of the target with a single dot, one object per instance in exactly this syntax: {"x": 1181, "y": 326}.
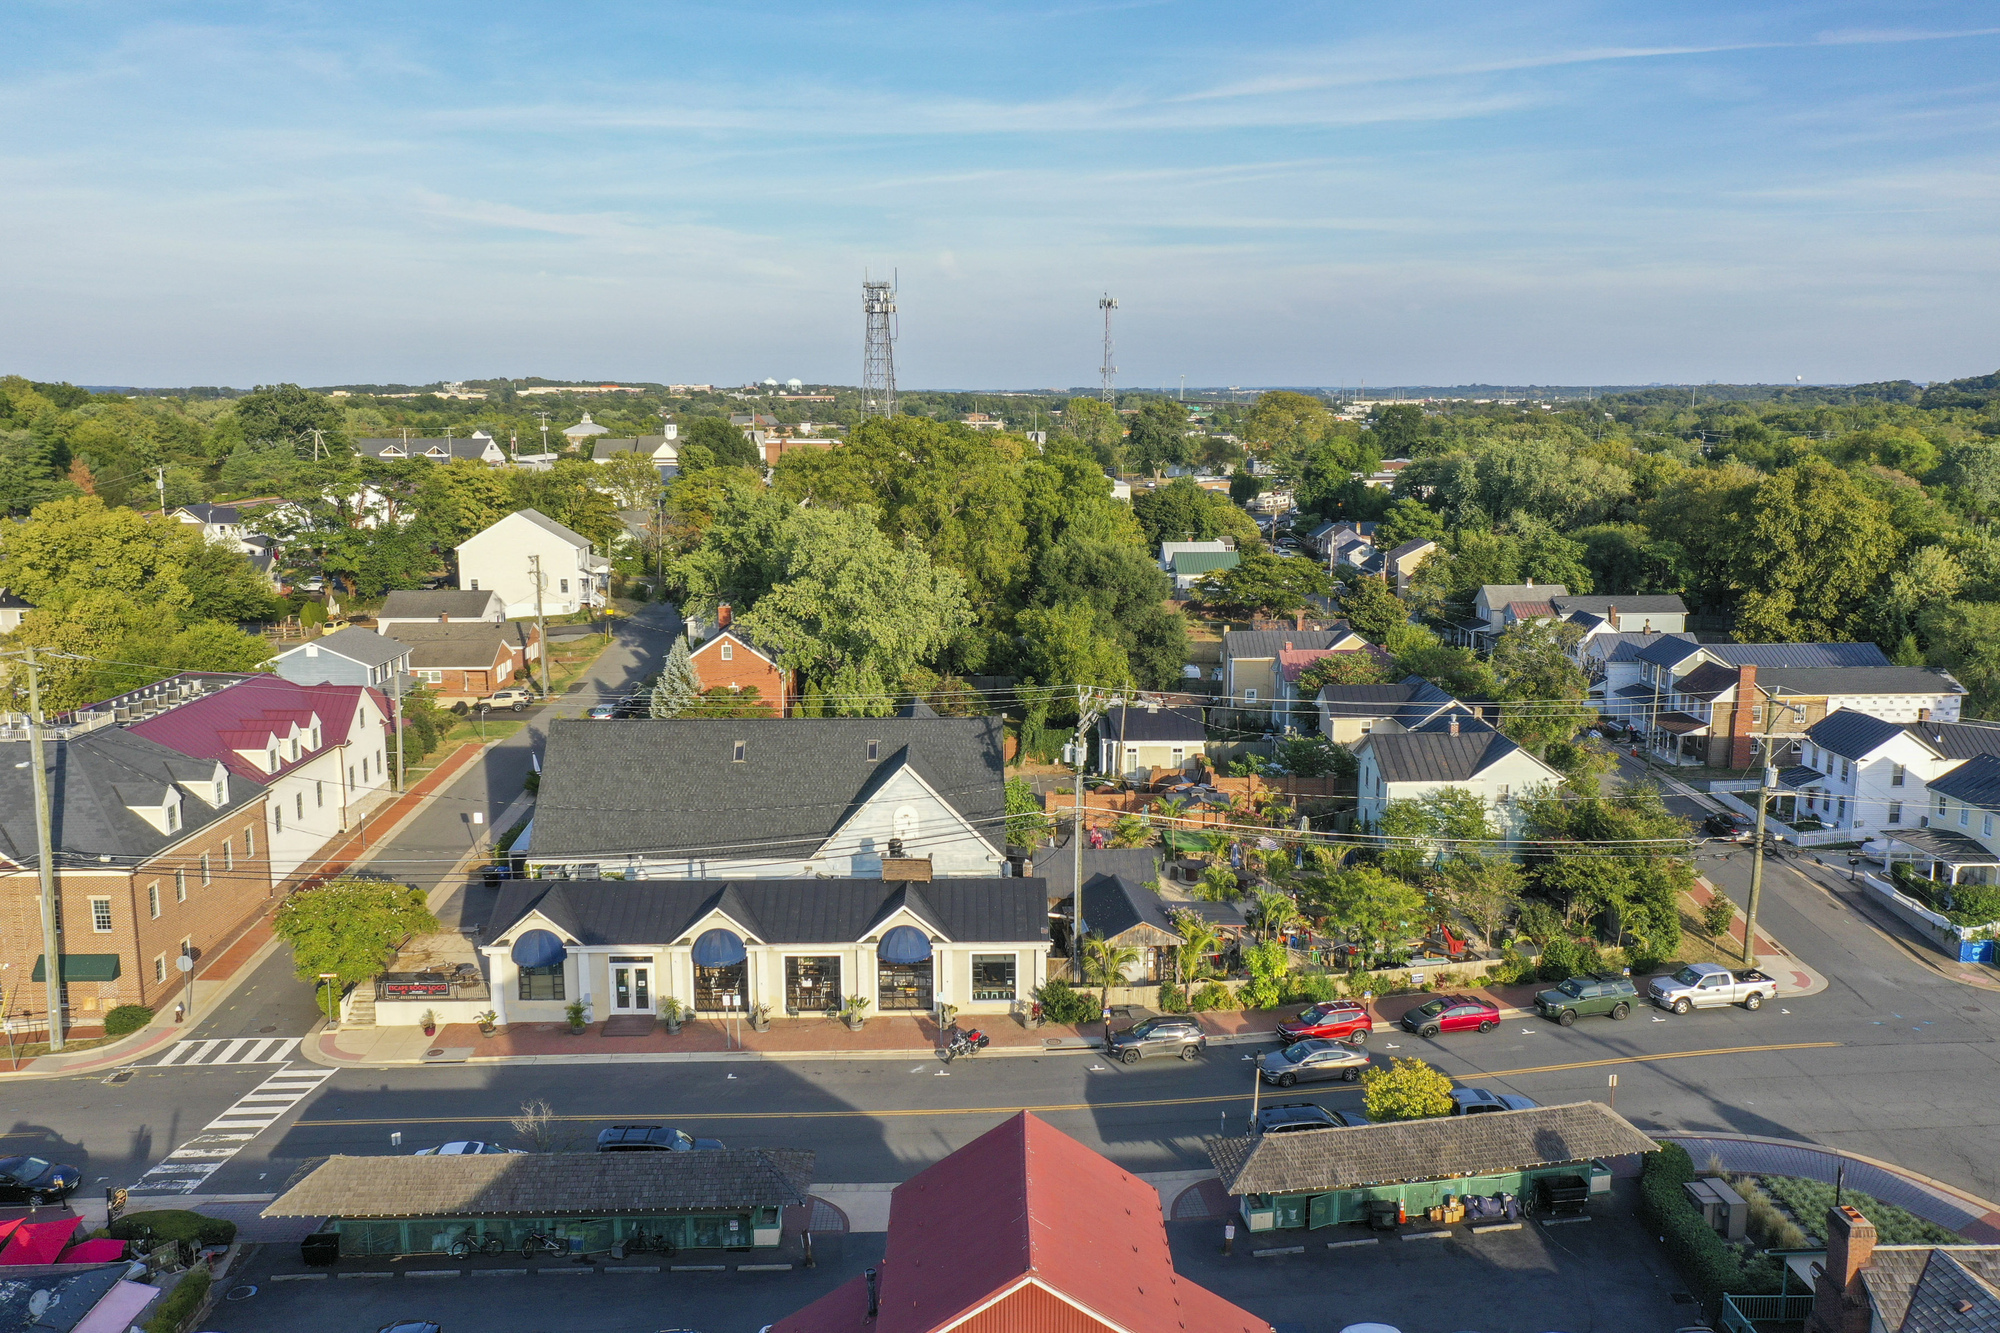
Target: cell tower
{"x": 1108, "y": 303}
{"x": 878, "y": 356}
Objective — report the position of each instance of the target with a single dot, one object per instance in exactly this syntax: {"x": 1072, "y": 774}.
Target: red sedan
{"x": 1338, "y": 1020}
{"x": 1452, "y": 1013}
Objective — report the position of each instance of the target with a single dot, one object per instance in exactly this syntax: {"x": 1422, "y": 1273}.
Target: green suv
{"x": 1592, "y": 993}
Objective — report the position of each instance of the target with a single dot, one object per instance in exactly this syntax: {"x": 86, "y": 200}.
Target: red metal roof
{"x": 1025, "y": 1204}
{"x": 245, "y": 715}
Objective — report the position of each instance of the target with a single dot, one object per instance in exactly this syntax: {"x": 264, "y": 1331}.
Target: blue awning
{"x": 718, "y": 948}
{"x": 538, "y": 948}
{"x": 904, "y": 944}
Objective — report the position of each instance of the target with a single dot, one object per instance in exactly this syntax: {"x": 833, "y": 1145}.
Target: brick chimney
{"x": 722, "y": 616}
{"x": 1300, "y": 623}
{"x": 1742, "y": 734}
{"x": 1454, "y": 724}
{"x": 1840, "y": 1302}
{"x": 1611, "y": 618}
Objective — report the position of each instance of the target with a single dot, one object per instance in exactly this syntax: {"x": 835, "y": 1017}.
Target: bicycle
{"x": 537, "y": 1243}
{"x": 467, "y": 1246}
{"x": 641, "y": 1242}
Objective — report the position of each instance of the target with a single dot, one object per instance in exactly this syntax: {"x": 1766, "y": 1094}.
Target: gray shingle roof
{"x": 549, "y": 525}
{"x": 1500, "y": 594}
{"x": 1851, "y": 733}
{"x": 1436, "y": 756}
{"x": 549, "y": 1184}
{"x": 1976, "y": 782}
{"x": 1255, "y": 643}
{"x": 1921, "y": 1288}
{"x": 92, "y": 778}
{"x": 660, "y": 785}
{"x": 461, "y": 644}
{"x": 1411, "y": 547}
{"x": 1056, "y": 866}
{"x": 1859, "y": 680}
{"x": 429, "y": 604}
{"x": 775, "y": 911}
{"x": 1626, "y": 647}
{"x": 459, "y": 447}
{"x": 357, "y": 645}
{"x": 1335, "y": 1159}
{"x": 1113, "y": 905}
{"x": 1153, "y": 724}
{"x": 1628, "y": 604}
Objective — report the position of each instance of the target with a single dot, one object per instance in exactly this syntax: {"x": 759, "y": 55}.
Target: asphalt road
{"x": 1893, "y": 1060}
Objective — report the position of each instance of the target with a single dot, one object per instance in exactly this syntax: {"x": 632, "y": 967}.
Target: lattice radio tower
{"x": 1108, "y": 303}
{"x": 878, "y": 356}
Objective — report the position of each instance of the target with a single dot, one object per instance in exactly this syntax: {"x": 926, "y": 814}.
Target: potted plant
{"x": 760, "y": 1018}
{"x": 486, "y": 1022}
{"x": 856, "y": 1011}
{"x": 576, "y": 1015}
{"x": 672, "y": 1012}
{"x": 430, "y": 1022}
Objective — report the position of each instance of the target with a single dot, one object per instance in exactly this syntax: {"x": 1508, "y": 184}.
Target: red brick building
{"x": 728, "y": 660}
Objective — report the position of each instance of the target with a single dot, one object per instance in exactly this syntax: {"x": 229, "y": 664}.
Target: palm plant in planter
{"x": 672, "y": 1012}
{"x": 486, "y": 1022}
{"x": 856, "y": 1011}
{"x": 430, "y": 1022}
{"x": 576, "y": 1013}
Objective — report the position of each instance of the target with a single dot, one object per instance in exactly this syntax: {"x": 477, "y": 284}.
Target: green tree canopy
{"x": 1181, "y": 511}
{"x": 350, "y": 927}
{"x": 1408, "y": 1089}
{"x": 1264, "y": 584}
{"x": 287, "y": 413}
{"x": 728, "y": 444}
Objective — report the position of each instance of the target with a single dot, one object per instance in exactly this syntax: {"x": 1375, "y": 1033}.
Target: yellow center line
{"x": 851, "y": 1114}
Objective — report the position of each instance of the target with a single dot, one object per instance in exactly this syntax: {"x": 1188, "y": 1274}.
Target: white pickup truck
{"x": 1709, "y": 986}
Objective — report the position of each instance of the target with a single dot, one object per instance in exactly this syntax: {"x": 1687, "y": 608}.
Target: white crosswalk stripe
{"x": 185, "y": 1168}
{"x": 229, "y": 1051}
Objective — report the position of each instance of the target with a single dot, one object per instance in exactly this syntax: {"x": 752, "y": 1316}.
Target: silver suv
{"x": 1163, "y": 1034}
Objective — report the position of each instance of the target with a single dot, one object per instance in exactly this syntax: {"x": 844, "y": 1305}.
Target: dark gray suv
{"x": 651, "y": 1138}
{"x": 1163, "y": 1034}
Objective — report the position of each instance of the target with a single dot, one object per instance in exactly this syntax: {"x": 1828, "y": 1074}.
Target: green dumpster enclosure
{"x": 723, "y": 1199}
{"x": 1323, "y": 1177}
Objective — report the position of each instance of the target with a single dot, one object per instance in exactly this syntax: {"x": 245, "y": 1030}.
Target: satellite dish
{"x": 39, "y": 1303}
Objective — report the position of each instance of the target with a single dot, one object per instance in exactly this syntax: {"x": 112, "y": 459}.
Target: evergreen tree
{"x": 679, "y": 687}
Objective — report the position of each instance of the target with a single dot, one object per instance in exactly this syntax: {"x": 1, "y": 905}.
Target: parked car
{"x": 1710, "y": 986}
{"x": 1163, "y": 1034}
{"x": 1474, "y": 1101}
{"x": 465, "y": 1148}
{"x": 1730, "y": 824}
{"x": 517, "y": 698}
{"x": 1291, "y": 1117}
{"x": 1351, "y": 1119}
{"x": 602, "y": 712}
{"x": 1316, "y": 1058}
{"x": 412, "y": 1326}
{"x": 1594, "y": 993}
{"x": 36, "y": 1180}
{"x": 652, "y": 1138}
{"x": 1340, "y": 1020}
{"x": 1452, "y": 1013}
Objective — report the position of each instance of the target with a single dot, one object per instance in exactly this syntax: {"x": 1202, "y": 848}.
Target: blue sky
{"x": 1323, "y": 193}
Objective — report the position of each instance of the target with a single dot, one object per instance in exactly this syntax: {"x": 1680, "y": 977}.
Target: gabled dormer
{"x": 158, "y": 804}
{"x": 211, "y": 789}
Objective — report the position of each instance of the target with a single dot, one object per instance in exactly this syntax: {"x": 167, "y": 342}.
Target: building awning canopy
{"x": 80, "y": 967}
{"x": 719, "y": 948}
{"x": 1681, "y": 723}
{"x": 1930, "y": 844}
{"x": 538, "y": 948}
{"x": 904, "y": 945}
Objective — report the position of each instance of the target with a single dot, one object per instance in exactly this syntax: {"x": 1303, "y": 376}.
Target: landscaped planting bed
{"x": 1808, "y": 1200}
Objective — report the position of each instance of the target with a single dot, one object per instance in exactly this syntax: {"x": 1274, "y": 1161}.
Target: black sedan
{"x": 36, "y": 1180}
{"x": 1729, "y": 824}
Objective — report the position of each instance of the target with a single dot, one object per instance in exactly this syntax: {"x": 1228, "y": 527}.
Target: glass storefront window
{"x": 542, "y": 983}
{"x": 993, "y": 976}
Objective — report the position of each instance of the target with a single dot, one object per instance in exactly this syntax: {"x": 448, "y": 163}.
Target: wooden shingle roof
{"x": 549, "y": 1184}
{"x": 1338, "y": 1159}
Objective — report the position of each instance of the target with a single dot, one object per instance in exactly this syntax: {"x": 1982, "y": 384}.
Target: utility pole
{"x": 46, "y": 867}
{"x": 1757, "y": 855}
{"x": 1086, "y": 714}
{"x": 541, "y": 631}
{"x": 1108, "y": 303}
{"x": 396, "y": 711}
{"x": 543, "y": 417}
{"x": 160, "y": 481}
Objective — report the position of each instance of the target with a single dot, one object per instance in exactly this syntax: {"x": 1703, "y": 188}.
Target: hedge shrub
{"x": 181, "y": 1302}
{"x": 1214, "y": 995}
{"x": 1169, "y": 1000}
{"x": 173, "y": 1224}
{"x": 1308, "y": 988}
{"x": 1710, "y": 1265}
{"x": 126, "y": 1018}
{"x": 1063, "y": 1003}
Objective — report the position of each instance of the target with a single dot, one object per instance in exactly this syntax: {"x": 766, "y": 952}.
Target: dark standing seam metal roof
{"x": 1957, "y": 740}
{"x": 1056, "y": 866}
{"x": 1337, "y": 1159}
{"x": 1858, "y": 680}
{"x": 660, "y": 785}
{"x": 356, "y": 645}
{"x": 1255, "y": 643}
{"x": 1633, "y": 604}
{"x": 458, "y": 604}
{"x": 1975, "y": 782}
{"x": 1436, "y": 756}
{"x": 90, "y": 778}
{"x": 1629, "y": 646}
{"x": 1142, "y": 725}
{"x": 461, "y": 446}
{"x": 1369, "y": 700}
{"x": 1854, "y": 735}
{"x": 549, "y": 1184}
{"x": 599, "y": 913}
{"x": 1707, "y": 680}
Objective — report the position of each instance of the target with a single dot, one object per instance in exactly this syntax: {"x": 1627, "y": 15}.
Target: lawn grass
{"x": 28, "y": 1050}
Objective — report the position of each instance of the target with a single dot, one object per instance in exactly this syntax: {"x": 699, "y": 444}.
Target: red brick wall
{"x": 744, "y": 670}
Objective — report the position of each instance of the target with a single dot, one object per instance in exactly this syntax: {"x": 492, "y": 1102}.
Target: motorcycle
{"x": 959, "y": 1043}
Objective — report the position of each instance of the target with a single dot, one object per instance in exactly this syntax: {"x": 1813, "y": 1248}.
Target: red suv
{"x": 1452, "y": 1013}
{"x": 1338, "y": 1020}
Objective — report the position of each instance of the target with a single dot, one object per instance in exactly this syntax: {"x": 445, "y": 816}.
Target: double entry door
{"x": 631, "y": 985}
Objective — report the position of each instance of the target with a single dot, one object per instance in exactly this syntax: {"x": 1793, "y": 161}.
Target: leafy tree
{"x": 1282, "y": 421}
{"x": 1158, "y": 438}
{"x": 1244, "y": 486}
{"x": 287, "y": 413}
{"x": 1026, "y": 822}
{"x": 1408, "y": 520}
{"x": 1071, "y": 645}
{"x": 727, "y": 443}
{"x": 1273, "y": 913}
{"x": 1625, "y": 557}
{"x": 1129, "y": 590}
{"x": 1264, "y": 584}
{"x": 1200, "y": 941}
{"x": 1182, "y": 511}
{"x": 1372, "y": 609}
{"x": 1314, "y": 757}
{"x": 460, "y": 498}
{"x": 633, "y": 478}
{"x": 1398, "y": 429}
{"x": 1456, "y": 671}
{"x": 1534, "y": 672}
{"x": 1812, "y": 552}
{"x": 722, "y": 701}
{"x": 1369, "y": 905}
{"x": 1094, "y": 424}
{"x": 1485, "y": 890}
{"x": 568, "y": 493}
{"x": 350, "y": 927}
{"x": 1342, "y": 668}
{"x": 679, "y": 689}
{"x": 33, "y": 471}
{"x": 1104, "y": 963}
{"x": 1430, "y": 827}
{"x": 1408, "y": 1089}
